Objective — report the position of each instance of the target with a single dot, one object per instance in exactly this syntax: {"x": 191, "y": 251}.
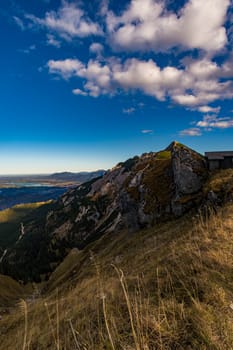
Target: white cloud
{"x": 186, "y": 100}
{"x": 207, "y": 124}
{"x": 202, "y": 84}
{"x": 188, "y": 87}
{"x": 202, "y": 68}
{"x": 144, "y": 26}
{"x": 19, "y": 22}
{"x": 214, "y": 122}
{"x": 79, "y": 92}
{"x": 109, "y": 76}
{"x": 69, "y": 21}
{"x": 66, "y": 68}
{"x": 147, "y": 25}
{"x": 28, "y": 50}
{"x": 147, "y": 131}
{"x": 201, "y": 97}
{"x": 130, "y": 110}
{"x": 98, "y": 76}
{"x": 52, "y": 41}
{"x": 228, "y": 66}
{"x": 147, "y": 77}
{"x": 104, "y": 4}
{"x": 96, "y": 48}
{"x": 141, "y": 105}
{"x": 208, "y": 109}
{"x": 191, "y": 132}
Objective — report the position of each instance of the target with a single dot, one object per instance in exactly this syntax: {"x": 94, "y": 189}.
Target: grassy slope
{"x": 221, "y": 182}
{"x": 168, "y": 287}
{"x": 10, "y": 291}
{"x": 10, "y": 220}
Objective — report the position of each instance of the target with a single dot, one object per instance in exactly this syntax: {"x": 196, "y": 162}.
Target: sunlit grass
{"x": 18, "y": 211}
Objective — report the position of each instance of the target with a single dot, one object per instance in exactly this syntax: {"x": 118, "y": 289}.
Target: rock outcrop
{"x": 190, "y": 172}
{"x": 134, "y": 194}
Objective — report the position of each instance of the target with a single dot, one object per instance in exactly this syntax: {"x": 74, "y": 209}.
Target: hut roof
{"x": 218, "y": 155}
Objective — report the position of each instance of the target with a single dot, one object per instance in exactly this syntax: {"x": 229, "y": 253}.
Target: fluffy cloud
{"x": 66, "y": 68}
{"x": 96, "y": 48}
{"x": 103, "y": 78}
{"x": 213, "y": 122}
{"x": 207, "y": 124}
{"x": 208, "y": 109}
{"x": 79, "y": 92}
{"x": 191, "y": 86}
{"x": 69, "y": 21}
{"x": 52, "y": 41}
{"x": 147, "y": 25}
{"x": 97, "y": 76}
{"x": 147, "y": 77}
{"x": 191, "y": 132}
{"x": 199, "y": 28}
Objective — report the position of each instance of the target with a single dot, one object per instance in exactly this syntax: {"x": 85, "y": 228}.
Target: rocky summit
{"x": 138, "y": 193}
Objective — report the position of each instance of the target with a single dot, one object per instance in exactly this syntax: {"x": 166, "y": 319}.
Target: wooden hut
{"x": 219, "y": 160}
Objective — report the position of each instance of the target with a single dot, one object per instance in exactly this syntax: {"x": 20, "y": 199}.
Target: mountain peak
{"x": 174, "y": 144}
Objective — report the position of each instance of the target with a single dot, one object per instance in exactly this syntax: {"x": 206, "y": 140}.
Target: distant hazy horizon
{"x": 35, "y": 163}
{"x": 2, "y": 175}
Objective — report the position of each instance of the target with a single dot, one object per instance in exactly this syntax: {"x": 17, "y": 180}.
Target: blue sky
{"x": 86, "y": 84}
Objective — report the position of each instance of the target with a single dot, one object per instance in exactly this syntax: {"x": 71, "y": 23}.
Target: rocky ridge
{"x": 135, "y": 194}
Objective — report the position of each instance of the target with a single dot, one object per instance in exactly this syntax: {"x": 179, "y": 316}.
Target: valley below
{"x": 12, "y": 196}
{"x": 37, "y": 188}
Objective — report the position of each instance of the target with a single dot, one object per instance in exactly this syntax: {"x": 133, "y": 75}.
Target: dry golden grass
{"x": 10, "y": 291}
{"x": 220, "y": 181}
{"x": 169, "y": 287}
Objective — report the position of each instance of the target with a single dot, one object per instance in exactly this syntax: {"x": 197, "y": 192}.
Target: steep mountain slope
{"x": 168, "y": 287}
{"x": 134, "y": 194}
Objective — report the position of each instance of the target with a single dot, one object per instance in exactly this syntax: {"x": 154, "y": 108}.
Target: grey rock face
{"x": 189, "y": 170}
{"x": 190, "y": 173}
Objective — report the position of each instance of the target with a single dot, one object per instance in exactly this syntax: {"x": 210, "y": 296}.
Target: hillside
{"x": 11, "y": 219}
{"x": 135, "y": 194}
{"x": 167, "y": 287}
{"x": 56, "y": 179}
{"x": 80, "y": 177}
{"x": 10, "y": 293}
{"x": 139, "y": 259}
